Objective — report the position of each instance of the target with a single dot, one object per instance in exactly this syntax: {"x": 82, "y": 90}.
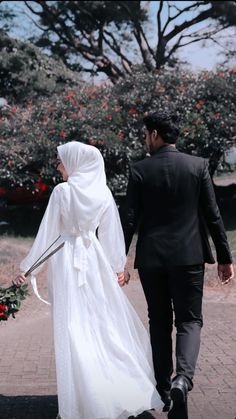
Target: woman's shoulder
{"x": 60, "y": 190}
{"x": 61, "y": 186}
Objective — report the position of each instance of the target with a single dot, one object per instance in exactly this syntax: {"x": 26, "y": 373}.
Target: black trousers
{"x": 174, "y": 293}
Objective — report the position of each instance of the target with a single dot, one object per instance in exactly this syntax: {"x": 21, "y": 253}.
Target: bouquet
{"x": 10, "y": 300}
{"x": 11, "y": 297}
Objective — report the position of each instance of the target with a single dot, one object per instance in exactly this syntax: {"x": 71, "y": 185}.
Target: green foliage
{"x": 27, "y": 73}
{"x": 224, "y": 11}
{"x": 10, "y": 300}
{"x": 110, "y": 118}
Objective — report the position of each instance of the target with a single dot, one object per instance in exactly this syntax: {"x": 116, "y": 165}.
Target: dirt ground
{"x": 13, "y": 250}
{"x": 225, "y": 179}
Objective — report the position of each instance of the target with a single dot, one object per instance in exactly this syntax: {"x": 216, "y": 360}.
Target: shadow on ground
{"x": 28, "y": 407}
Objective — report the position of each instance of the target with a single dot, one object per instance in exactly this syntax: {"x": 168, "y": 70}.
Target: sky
{"x": 198, "y": 57}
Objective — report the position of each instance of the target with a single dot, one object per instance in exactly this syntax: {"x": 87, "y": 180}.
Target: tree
{"x": 100, "y": 36}
{"x": 26, "y": 72}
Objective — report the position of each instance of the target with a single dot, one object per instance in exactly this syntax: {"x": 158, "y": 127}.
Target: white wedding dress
{"x": 102, "y": 351}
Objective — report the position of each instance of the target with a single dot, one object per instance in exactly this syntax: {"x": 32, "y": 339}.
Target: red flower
{"x": 198, "y": 121}
{"x": 109, "y": 116}
{"x": 41, "y": 186}
{"x": 3, "y": 310}
{"x": 202, "y": 101}
{"x": 74, "y": 101}
{"x": 14, "y": 109}
{"x": 10, "y": 163}
{"x": 121, "y": 135}
{"x": 70, "y": 95}
{"x": 101, "y": 141}
{"x": 2, "y": 190}
{"x": 161, "y": 89}
{"x": 132, "y": 111}
{"x": 198, "y": 106}
{"x": 182, "y": 88}
{"x": 63, "y": 134}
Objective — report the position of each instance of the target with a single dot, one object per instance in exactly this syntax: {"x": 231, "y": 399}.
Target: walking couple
{"x": 106, "y": 367}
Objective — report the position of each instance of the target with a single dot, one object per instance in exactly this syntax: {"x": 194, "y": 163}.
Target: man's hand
{"x": 19, "y": 280}
{"x": 225, "y": 272}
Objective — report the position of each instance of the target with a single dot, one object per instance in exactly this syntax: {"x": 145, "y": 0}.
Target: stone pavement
{"x": 27, "y": 370}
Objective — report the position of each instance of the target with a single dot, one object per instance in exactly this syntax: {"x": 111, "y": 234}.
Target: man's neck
{"x": 164, "y": 145}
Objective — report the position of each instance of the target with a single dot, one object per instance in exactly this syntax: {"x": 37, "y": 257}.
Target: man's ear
{"x": 154, "y": 135}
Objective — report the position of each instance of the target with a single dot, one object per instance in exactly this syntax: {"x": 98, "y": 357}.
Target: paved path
{"x": 27, "y": 370}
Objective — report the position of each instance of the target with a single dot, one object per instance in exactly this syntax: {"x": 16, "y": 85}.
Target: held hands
{"x": 225, "y": 273}
{"x": 19, "y": 280}
{"x": 123, "y": 278}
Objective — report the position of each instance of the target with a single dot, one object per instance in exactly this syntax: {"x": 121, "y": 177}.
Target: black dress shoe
{"x": 179, "y": 389}
{"x": 178, "y": 394}
{"x": 178, "y": 411}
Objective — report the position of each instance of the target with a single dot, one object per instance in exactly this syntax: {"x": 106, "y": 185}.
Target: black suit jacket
{"x": 171, "y": 201}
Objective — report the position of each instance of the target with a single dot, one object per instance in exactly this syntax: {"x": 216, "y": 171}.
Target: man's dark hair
{"x": 165, "y": 123}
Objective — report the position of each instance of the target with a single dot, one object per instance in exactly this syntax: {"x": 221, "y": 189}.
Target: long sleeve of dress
{"x": 111, "y": 238}
{"x": 49, "y": 230}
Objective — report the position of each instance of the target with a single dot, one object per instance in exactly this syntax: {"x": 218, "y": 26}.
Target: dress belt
{"x": 80, "y": 259}
{"x": 80, "y": 255}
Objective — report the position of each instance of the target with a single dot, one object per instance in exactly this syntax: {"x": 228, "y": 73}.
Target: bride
{"x": 102, "y": 351}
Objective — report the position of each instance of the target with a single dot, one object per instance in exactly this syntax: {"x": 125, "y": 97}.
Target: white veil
{"x": 89, "y": 193}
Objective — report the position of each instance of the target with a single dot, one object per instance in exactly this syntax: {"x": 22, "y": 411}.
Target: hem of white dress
{"x": 124, "y": 414}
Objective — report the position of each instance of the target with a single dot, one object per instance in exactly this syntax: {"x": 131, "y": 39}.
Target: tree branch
{"x": 31, "y": 9}
{"x": 180, "y": 12}
{"x": 116, "y": 48}
{"x": 180, "y": 28}
{"x": 141, "y": 39}
{"x": 159, "y": 19}
{"x": 174, "y": 48}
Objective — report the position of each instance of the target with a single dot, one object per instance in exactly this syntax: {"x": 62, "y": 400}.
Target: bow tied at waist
{"x": 80, "y": 256}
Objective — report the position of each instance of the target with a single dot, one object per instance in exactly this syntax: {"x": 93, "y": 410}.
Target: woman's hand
{"x": 19, "y": 280}
{"x": 123, "y": 278}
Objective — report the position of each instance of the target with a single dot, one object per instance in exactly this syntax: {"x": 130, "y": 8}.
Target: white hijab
{"x": 87, "y": 181}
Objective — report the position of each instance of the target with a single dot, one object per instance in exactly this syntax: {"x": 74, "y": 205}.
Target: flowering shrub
{"x": 110, "y": 118}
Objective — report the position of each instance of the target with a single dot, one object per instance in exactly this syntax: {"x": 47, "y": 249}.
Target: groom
{"x": 171, "y": 202}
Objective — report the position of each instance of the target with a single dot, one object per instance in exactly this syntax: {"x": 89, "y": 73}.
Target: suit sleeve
{"x": 130, "y": 211}
{"x": 213, "y": 218}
